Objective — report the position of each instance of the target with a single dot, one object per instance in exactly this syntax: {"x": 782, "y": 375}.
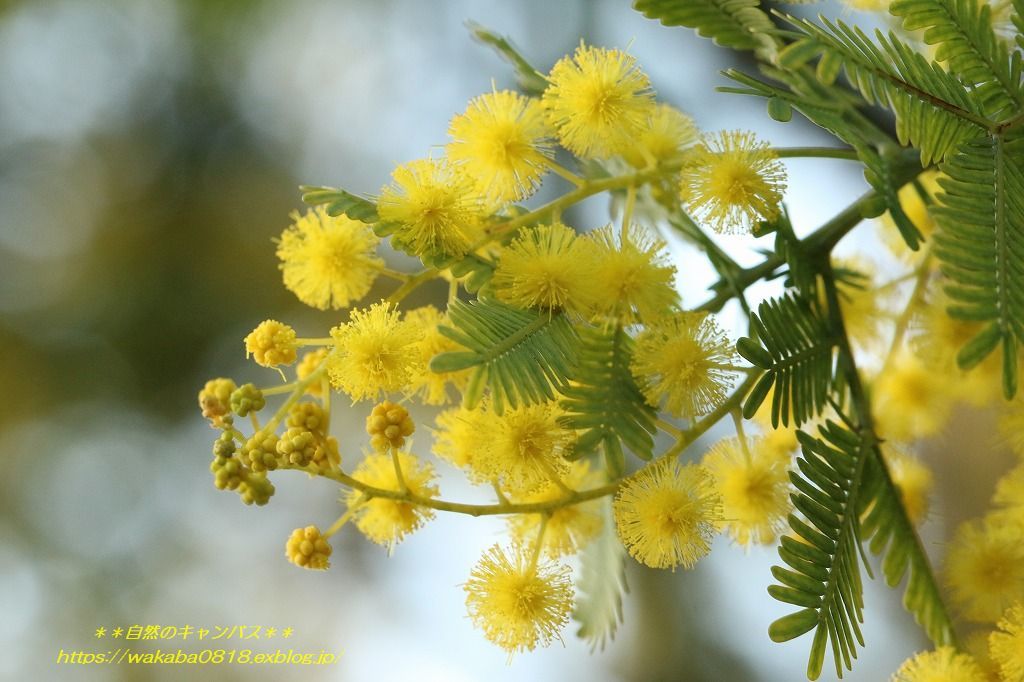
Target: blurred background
{"x": 149, "y": 152}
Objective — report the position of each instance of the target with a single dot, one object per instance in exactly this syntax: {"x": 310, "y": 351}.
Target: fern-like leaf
{"x": 962, "y": 30}
{"x": 981, "y": 245}
{"x": 935, "y": 112}
{"x": 521, "y": 356}
{"x": 339, "y": 202}
{"x": 795, "y": 348}
{"x": 604, "y": 403}
{"x": 740, "y": 24}
{"x": 530, "y": 80}
{"x": 601, "y": 584}
{"x": 1017, "y": 19}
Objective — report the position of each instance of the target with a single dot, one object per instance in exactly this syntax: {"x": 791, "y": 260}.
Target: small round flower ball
{"x": 1006, "y": 645}
{"x": 436, "y": 208}
{"x": 503, "y": 142}
{"x": 731, "y": 180}
{"x": 383, "y": 520}
{"x": 684, "y": 360}
{"x": 945, "y": 664}
{"x": 667, "y": 132}
{"x": 754, "y": 487}
{"x": 388, "y": 425}
{"x": 271, "y": 343}
{"x": 309, "y": 362}
{"x": 985, "y": 569}
{"x": 632, "y": 278}
{"x": 598, "y": 100}
{"x": 519, "y": 603}
{"x": 307, "y": 548}
{"x": 215, "y": 399}
{"x": 328, "y": 262}
{"x": 255, "y": 488}
{"x": 373, "y": 353}
{"x": 546, "y": 267}
{"x": 666, "y": 514}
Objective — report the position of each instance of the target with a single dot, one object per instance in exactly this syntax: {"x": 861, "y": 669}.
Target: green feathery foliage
{"x": 530, "y": 80}
{"x": 338, "y": 201}
{"x": 521, "y": 356}
{"x": 740, "y": 24}
{"x": 1017, "y": 18}
{"x": 601, "y": 584}
{"x": 795, "y": 348}
{"x": 604, "y": 402}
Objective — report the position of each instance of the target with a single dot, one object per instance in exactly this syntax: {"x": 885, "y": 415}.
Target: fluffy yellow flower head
{"x": 913, "y": 480}
{"x": 632, "y": 278}
{"x": 910, "y": 400}
{"x": 944, "y": 664}
{"x": 373, "y": 353}
{"x": 308, "y": 548}
{"x": 667, "y": 131}
{"x": 526, "y": 449}
{"x": 685, "y": 360}
{"x": 599, "y": 101}
{"x": 309, "y": 362}
{"x": 1010, "y": 491}
{"x": 517, "y": 601}
{"x": 547, "y": 267}
{"x": 431, "y": 386}
{"x": 985, "y": 569}
{"x": 271, "y": 343}
{"x": 461, "y": 436}
{"x": 569, "y": 528}
{"x": 1007, "y": 644}
{"x": 1011, "y": 424}
{"x": 502, "y": 141}
{"x": 382, "y": 520}
{"x": 754, "y": 488}
{"x": 732, "y": 180}
{"x": 666, "y": 514}
{"x": 328, "y": 262}
{"x": 435, "y": 206}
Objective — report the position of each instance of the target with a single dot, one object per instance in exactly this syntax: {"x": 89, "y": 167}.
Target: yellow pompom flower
{"x": 215, "y": 399}
{"x": 518, "y": 602}
{"x": 503, "y": 142}
{"x": 732, "y": 180}
{"x": 373, "y": 353}
{"x": 632, "y": 278}
{"x": 309, "y": 362}
{"x": 985, "y": 569}
{"x": 569, "y": 528}
{"x": 913, "y": 480}
{"x": 386, "y": 521}
{"x": 945, "y": 664}
{"x": 307, "y": 548}
{"x": 526, "y": 449}
{"x": 910, "y": 400}
{"x": 1007, "y": 644}
{"x": 663, "y": 138}
{"x": 430, "y": 386}
{"x": 328, "y": 261}
{"x": 546, "y": 267}
{"x": 779, "y": 444}
{"x": 435, "y": 206}
{"x": 685, "y": 361}
{"x": 754, "y": 488}
{"x": 599, "y": 100}
{"x": 271, "y": 343}
{"x": 461, "y": 436}
{"x": 666, "y": 514}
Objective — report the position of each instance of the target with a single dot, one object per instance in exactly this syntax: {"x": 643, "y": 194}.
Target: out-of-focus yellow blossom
{"x": 374, "y": 353}
{"x": 666, "y": 514}
{"x": 547, "y": 267}
{"x": 429, "y": 386}
{"x": 732, "y": 180}
{"x": 526, "y": 448}
{"x": 503, "y": 142}
{"x": 913, "y": 480}
{"x": 985, "y": 569}
{"x": 517, "y": 601}
{"x": 909, "y": 400}
{"x": 1006, "y": 645}
{"x": 975, "y": 644}
{"x": 599, "y": 101}
{"x": 307, "y": 548}
{"x": 1011, "y": 424}
{"x": 779, "y": 444}
{"x": 215, "y": 399}
{"x": 461, "y": 436}
{"x": 917, "y": 211}
{"x": 632, "y": 278}
{"x": 271, "y": 343}
{"x": 307, "y": 364}
{"x": 684, "y": 360}
{"x": 754, "y": 487}
{"x": 388, "y": 425}
{"x": 383, "y": 520}
{"x": 435, "y": 206}
{"x": 666, "y": 133}
{"x": 328, "y": 261}
{"x": 568, "y": 528}
{"x": 860, "y": 302}
{"x": 945, "y": 664}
